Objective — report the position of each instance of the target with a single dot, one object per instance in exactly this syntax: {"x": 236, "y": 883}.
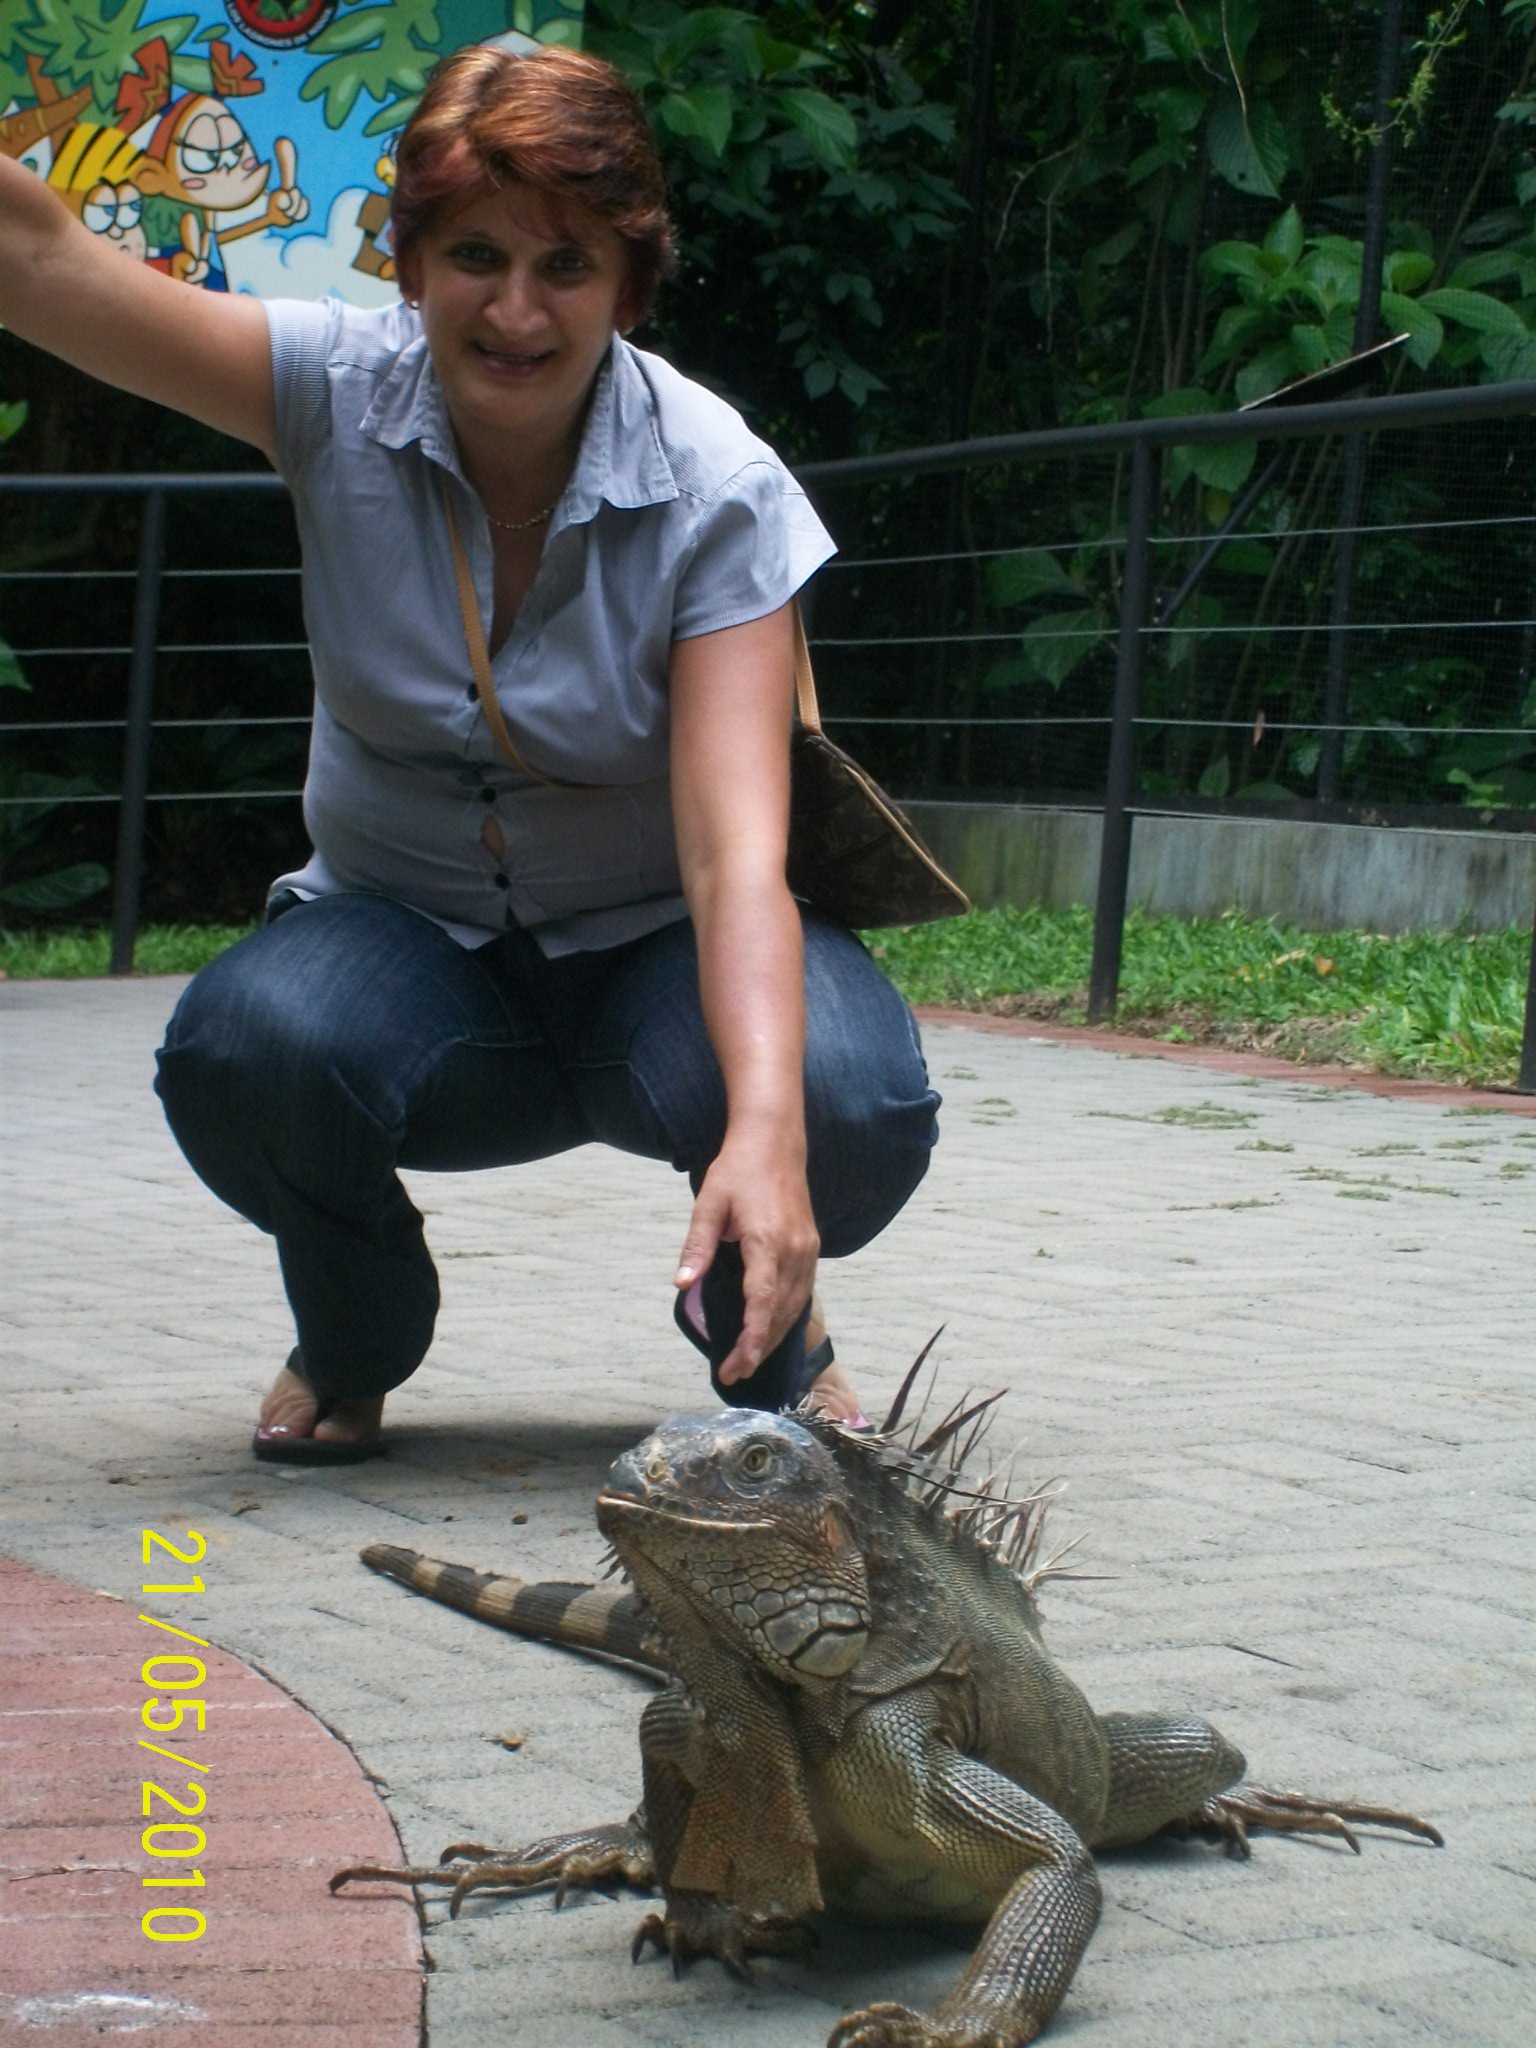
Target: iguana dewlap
{"x": 858, "y": 1712}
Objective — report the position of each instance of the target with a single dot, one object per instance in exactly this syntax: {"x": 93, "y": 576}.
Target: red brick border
{"x": 287, "y": 1804}
{"x": 1220, "y": 1060}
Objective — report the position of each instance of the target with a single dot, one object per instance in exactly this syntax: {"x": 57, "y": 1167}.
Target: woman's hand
{"x": 755, "y": 1195}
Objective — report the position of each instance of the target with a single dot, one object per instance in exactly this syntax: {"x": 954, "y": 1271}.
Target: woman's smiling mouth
{"x": 510, "y": 359}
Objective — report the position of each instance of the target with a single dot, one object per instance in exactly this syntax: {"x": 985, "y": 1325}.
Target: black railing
{"x": 143, "y": 658}
{"x": 1144, "y": 440}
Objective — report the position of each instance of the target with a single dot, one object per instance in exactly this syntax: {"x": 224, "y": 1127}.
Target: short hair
{"x": 565, "y": 125}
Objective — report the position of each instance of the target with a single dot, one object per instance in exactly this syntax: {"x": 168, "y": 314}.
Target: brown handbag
{"x": 851, "y": 851}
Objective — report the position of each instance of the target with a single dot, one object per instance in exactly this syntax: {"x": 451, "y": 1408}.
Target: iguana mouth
{"x": 665, "y": 1511}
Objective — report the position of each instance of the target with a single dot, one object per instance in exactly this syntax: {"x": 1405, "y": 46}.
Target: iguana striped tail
{"x": 600, "y": 1621}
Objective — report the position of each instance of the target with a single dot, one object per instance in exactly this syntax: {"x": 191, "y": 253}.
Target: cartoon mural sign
{"x": 244, "y": 146}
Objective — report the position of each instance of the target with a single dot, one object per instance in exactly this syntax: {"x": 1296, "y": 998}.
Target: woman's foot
{"x": 831, "y": 1392}
{"x": 832, "y": 1397}
{"x": 299, "y": 1427}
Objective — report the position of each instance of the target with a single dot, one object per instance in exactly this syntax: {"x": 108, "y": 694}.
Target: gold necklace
{"x": 522, "y": 525}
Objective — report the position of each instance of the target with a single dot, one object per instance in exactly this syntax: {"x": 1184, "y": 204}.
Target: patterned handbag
{"x": 851, "y": 851}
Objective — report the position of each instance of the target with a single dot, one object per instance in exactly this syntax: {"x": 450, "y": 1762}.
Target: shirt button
{"x": 501, "y": 881}
{"x": 487, "y": 796}
{"x": 472, "y": 693}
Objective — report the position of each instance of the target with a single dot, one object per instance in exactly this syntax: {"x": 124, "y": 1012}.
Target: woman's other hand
{"x": 70, "y": 292}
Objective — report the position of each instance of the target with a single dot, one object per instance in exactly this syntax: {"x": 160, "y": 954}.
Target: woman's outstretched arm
{"x": 731, "y": 698}
{"x": 203, "y": 353}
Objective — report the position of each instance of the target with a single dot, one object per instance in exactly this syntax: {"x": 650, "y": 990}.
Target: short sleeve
{"x": 303, "y": 334}
{"x": 756, "y": 543}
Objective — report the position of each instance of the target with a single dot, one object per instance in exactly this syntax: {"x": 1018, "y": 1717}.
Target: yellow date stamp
{"x": 171, "y": 1676}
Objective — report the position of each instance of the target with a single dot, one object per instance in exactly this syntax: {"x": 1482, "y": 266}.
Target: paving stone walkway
{"x": 1276, "y": 1337}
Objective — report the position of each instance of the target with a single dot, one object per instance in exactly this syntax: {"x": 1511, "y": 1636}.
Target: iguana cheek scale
{"x": 858, "y": 1711}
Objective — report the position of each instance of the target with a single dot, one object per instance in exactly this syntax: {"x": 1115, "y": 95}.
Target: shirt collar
{"x": 407, "y": 405}
{"x": 621, "y": 460}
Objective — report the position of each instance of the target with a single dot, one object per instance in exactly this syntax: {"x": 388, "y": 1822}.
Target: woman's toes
{"x": 290, "y": 1405}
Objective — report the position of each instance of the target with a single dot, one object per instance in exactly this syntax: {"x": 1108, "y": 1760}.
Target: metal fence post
{"x": 1115, "y": 841}
{"x": 1525, "y": 1080}
{"x": 1367, "y": 328}
{"x": 128, "y": 870}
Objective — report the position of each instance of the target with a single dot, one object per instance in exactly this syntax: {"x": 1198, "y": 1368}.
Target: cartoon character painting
{"x": 178, "y": 133}
{"x": 199, "y": 168}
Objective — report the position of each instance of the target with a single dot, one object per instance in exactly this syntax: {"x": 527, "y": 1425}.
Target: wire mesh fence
{"x": 229, "y": 680}
{"x": 985, "y": 667}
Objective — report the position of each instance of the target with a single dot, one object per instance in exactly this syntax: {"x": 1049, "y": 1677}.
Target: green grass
{"x": 1448, "y": 1005}
{"x": 69, "y": 955}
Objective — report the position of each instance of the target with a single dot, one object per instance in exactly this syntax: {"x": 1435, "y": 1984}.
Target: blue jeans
{"x": 351, "y": 1036}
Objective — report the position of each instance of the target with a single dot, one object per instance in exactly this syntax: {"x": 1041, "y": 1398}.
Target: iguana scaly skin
{"x": 858, "y": 1711}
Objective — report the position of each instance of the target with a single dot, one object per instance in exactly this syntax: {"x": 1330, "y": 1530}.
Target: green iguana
{"x": 858, "y": 1712}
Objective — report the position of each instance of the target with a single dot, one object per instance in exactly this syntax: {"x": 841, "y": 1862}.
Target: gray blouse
{"x": 676, "y": 521}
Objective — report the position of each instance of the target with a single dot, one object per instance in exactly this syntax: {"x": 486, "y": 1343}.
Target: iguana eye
{"x": 755, "y": 1460}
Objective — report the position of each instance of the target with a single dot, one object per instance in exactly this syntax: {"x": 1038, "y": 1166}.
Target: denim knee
{"x": 871, "y": 1115}
{"x": 221, "y": 1038}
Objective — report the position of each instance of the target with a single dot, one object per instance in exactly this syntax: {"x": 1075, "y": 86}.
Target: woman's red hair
{"x": 566, "y": 125}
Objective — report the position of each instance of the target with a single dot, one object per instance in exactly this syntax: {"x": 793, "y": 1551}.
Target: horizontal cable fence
{"x": 1165, "y": 656}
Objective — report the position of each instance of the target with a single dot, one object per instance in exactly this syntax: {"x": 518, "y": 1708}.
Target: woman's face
{"x": 520, "y": 301}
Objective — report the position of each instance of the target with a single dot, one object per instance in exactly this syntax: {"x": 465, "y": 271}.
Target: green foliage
{"x": 85, "y": 952}
{"x": 811, "y": 176}
{"x": 26, "y": 802}
{"x": 386, "y": 51}
{"x": 90, "y": 42}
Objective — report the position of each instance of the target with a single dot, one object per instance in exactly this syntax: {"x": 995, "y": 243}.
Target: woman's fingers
{"x": 773, "y": 1225}
{"x": 778, "y": 1273}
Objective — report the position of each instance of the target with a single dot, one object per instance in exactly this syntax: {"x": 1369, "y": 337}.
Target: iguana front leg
{"x": 959, "y": 1828}
{"x": 730, "y": 1828}
{"x": 580, "y": 1861}
{"x": 1178, "y": 1774}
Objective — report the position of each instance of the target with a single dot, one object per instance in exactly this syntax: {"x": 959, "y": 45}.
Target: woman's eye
{"x": 477, "y": 255}
{"x": 568, "y": 263}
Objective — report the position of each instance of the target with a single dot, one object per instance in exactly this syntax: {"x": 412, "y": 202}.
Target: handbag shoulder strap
{"x": 805, "y": 680}
{"x": 480, "y": 659}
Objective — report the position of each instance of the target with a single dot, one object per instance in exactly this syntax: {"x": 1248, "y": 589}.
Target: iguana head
{"x": 741, "y": 1522}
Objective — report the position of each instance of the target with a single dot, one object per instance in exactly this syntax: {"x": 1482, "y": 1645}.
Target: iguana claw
{"x": 898, "y": 2026}
{"x": 696, "y": 1924}
{"x": 1229, "y": 1815}
{"x": 594, "y": 1856}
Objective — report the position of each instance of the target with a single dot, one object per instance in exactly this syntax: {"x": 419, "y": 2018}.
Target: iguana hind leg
{"x": 1176, "y": 1774}
{"x": 618, "y": 1854}
{"x": 1227, "y": 1816}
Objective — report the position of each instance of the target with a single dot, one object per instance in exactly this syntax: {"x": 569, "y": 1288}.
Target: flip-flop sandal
{"x": 276, "y": 1444}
